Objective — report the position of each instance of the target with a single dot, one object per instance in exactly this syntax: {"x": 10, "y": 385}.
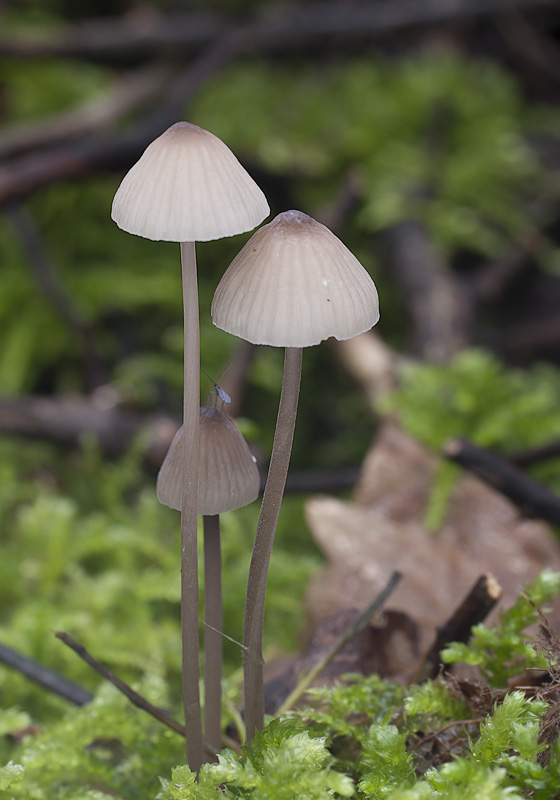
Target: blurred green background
{"x": 447, "y": 127}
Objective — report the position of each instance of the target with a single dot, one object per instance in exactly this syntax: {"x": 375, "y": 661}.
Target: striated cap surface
{"x": 293, "y": 285}
{"x": 228, "y": 475}
{"x": 188, "y": 187}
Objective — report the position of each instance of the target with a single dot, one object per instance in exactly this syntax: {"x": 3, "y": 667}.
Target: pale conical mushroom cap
{"x": 293, "y": 285}
{"x": 228, "y": 475}
{"x": 188, "y": 187}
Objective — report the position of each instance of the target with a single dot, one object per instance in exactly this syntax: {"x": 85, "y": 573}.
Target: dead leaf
{"x": 388, "y": 646}
{"x": 382, "y": 529}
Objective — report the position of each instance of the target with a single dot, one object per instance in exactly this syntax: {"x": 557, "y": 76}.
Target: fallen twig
{"x": 359, "y": 623}
{"x": 125, "y": 96}
{"x": 474, "y": 609}
{"x": 42, "y": 269}
{"x": 135, "y": 39}
{"x": 136, "y": 699}
{"x": 371, "y": 363}
{"x": 64, "y": 421}
{"x": 440, "y": 309}
{"x": 25, "y": 175}
{"x": 525, "y": 458}
{"x": 532, "y": 46}
{"x": 532, "y": 498}
{"x": 123, "y": 687}
{"x": 464, "y": 722}
{"x": 44, "y": 274}
{"x": 48, "y": 678}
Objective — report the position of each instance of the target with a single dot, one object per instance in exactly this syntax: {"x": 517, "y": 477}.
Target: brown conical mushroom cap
{"x": 228, "y": 476}
{"x": 293, "y": 285}
{"x": 188, "y": 187}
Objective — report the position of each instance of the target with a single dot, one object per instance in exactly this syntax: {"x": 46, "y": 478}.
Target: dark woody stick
{"x": 474, "y": 609}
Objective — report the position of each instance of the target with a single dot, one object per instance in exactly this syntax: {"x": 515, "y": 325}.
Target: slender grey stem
{"x": 189, "y": 549}
{"x": 264, "y": 539}
{"x": 213, "y": 616}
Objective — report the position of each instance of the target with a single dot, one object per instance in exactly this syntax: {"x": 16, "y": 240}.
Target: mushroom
{"x": 228, "y": 475}
{"x": 186, "y": 187}
{"x": 292, "y": 285}
{"x": 228, "y": 479}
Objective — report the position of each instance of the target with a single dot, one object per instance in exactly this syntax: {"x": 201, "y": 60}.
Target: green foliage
{"x": 107, "y": 746}
{"x": 427, "y": 126}
{"x": 66, "y": 549}
{"x": 498, "y": 762}
{"x": 40, "y": 87}
{"x": 465, "y": 778}
{"x": 353, "y": 741}
{"x": 335, "y": 711}
{"x": 424, "y": 130}
{"x": 432, "y": 700}
{"x": 79, "y": 550}
{"x": 513, "y": 725}
{"x": 386, "y": 762}
{"x": 283, "y": 762}
{"x": 10, "y": 775}
{"x": 507, "y": 744}
{"x": 504, "y": 651}
{"x": 477, "y": 397}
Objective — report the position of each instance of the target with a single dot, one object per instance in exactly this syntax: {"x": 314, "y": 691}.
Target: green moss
{"x": 503, "y": 651}
{"x": 476, "y": 397}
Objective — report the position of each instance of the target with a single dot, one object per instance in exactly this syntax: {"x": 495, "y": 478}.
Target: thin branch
{"x": 63, "y": 421}
{"x": 125, "y": 96}
{"x": 440, "y": 309}
{"x": 351, "y": 191}
{"x": 474, "y": 609}
{"x": 526, "y": 458}
{"x": 48, "y": 678}
{"x": 491, "y": 279}
{"x": 134, "y": 697}
{"x": 42, "y": 269}
{"x": 214, "y": 41}
{"x": 371, "y": 363}
{"x": 446, "y": 727}
{"x": 538, "y": 50}
{"x": 123, "y": 687}
{"x": 339, "y": 644}
{"x": 44, "y": 273}
{"x": 20, "y": 177}
{"x": 532, "y": 498}
{"x": 117, "y": 41}
{"x": 322, "y": 480}
{"x": 531, "y": 338}
{"x": 135, "y": 39}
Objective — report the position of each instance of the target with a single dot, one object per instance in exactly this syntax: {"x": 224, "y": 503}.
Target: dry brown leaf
{"x": 382, "y": 530}
{"x": 388, "y": 646}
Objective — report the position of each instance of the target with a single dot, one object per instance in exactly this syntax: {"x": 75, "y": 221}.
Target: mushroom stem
{"x": 189, "y": 549}
{"x": 264, "y": 539}
{"x": 213, "y": 617}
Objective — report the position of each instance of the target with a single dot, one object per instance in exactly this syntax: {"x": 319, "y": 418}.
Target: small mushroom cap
{"x": 293, "y": 285}
{"x": 228, "y": 476}
{"x": 188, "y": 187}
